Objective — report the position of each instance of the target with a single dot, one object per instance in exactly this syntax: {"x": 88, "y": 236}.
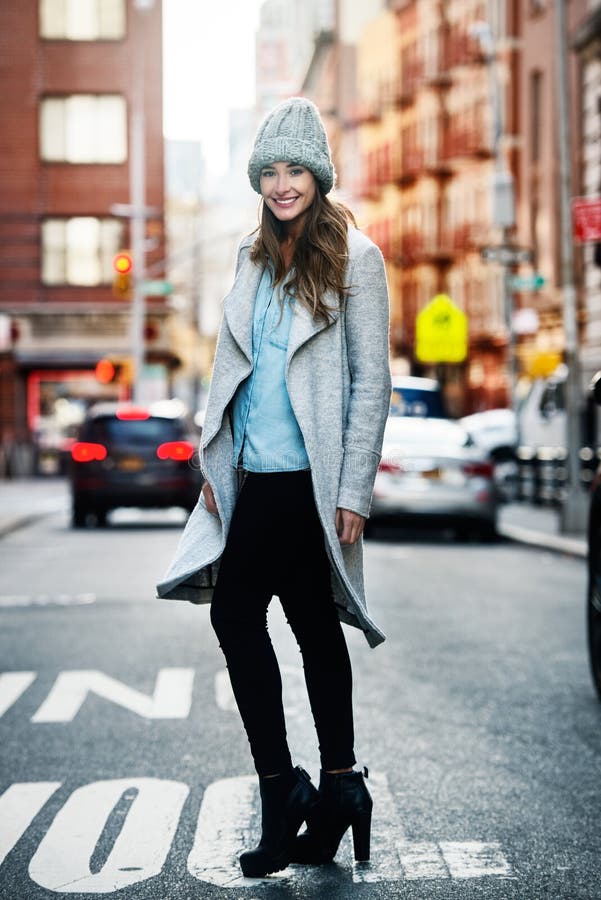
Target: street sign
{"x": 506, "y": 255}
{"x": 156, "y": 288}
{"x": 586, "y": 218}
{"x": 441, "y": 332}
{"x": 527, "y": 282}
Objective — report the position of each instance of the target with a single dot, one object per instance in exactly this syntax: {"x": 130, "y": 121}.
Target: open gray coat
{"x": 338, "y": 379}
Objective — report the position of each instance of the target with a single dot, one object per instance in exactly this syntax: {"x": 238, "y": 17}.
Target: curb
{"x": 572, "y": 546}
{"x": 23, "y": 521}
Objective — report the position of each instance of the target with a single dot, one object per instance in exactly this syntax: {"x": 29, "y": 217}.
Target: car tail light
{"x": 129, "y": 413}
{"x": 180, "y": 451}
{"x": 479, "y": 470}
{"x": 389, "y": 465}
{"x": 81, "y": 451}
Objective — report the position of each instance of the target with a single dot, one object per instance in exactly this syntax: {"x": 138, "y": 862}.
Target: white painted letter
{"x": 62, "y": 861}
{"x": 19, "y": 805}
{"x": 172, "y": 696}
{"x": 12, "y": 685}
{"x": 223, "y": 831}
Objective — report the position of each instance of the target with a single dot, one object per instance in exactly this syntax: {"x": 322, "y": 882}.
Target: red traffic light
{"x": 123, "y": 263}
{"x": 105, "y": 371}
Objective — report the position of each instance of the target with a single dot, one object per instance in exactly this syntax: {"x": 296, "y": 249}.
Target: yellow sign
{"x": 540, "y": 364}
{"x": 441, "y": 332}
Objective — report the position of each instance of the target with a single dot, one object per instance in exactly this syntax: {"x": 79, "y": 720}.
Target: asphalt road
{"x": 125, "y": 769}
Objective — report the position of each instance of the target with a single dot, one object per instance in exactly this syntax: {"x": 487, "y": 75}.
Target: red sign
{"x": 586, "y": 218}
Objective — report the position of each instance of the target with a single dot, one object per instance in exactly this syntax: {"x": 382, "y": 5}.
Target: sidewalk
{"x": 24, "y": 500}
{"x": 539, "y": 527}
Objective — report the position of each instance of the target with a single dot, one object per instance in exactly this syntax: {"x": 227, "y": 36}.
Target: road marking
{"x": 11, "y": 600}
{"x": 293, "y": 691}
{"x": 223, "y": 831}
{"x": 110, "y": 834}
{"x": 453, "y": 859}
{"x": 386, "y": 832}
{"x": 171, "y": 699}
{"x": 472, "y": 859}
{"x": 12, "y": 685}
{"x": 62, "y": 861}
{"x": 19, "y": 805}
{"x": 422, "y": 860}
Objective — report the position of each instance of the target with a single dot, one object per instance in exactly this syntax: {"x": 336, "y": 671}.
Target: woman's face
{"x": 288, "y": 190}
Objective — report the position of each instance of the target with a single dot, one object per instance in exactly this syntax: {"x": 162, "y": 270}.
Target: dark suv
{"x": 594, "y": 564}
{"x": 133, "y": 456}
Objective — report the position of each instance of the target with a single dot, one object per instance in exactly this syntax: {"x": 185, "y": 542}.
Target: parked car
{"x": 416, "y": 396}
{"x": 430, "y": 471}
{"x": 133, "y": 456}
{"x": 594, "y": 564}
{"x": 495, "y": 432}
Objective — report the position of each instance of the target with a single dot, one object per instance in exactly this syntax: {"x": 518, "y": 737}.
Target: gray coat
{"x": 338, "y": 380}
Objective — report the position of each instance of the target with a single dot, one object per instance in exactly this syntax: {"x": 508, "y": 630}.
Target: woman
{"x": 290, "y": 448}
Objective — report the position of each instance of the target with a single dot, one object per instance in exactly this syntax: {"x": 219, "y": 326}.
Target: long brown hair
{"x": 320, "y": 254}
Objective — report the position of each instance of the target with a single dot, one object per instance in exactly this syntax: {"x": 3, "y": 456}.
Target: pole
{"x": 573, "y": 512}
{"x": 137, "y": 181}
{"x": 503, "y": 187}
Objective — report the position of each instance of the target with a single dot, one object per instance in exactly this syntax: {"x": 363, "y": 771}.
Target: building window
{"x": 80, "y": 251}
{"x": 83, "y": 128}
{"x": 82, "y": 20}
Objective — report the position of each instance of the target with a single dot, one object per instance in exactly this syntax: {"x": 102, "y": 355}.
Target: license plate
{"x": 131, "y": 464}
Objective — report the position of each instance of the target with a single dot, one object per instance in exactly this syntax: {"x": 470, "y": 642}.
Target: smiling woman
{"x": 290, "y": 446}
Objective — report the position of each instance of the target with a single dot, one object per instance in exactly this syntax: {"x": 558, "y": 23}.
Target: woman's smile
{"x": 277, "y": 181}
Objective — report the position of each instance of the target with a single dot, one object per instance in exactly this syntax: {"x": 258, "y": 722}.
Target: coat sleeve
{"x": 367, "y": 337}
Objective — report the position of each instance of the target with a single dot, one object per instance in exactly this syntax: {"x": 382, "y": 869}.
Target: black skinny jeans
{"x": 276, "y": 546}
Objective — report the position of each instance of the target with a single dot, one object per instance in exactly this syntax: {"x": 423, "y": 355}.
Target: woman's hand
{"x": 207, "y": 492}
{"x": 349, "y": 525}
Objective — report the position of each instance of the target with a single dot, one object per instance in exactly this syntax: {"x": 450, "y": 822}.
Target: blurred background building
{"x": 67, "y": 75}
{"x": 406, "y": 88}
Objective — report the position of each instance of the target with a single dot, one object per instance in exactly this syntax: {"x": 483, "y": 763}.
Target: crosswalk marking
{"x": 422, "y": 860}
{"x": 472, "y": 859}
{"x": 171, "y": 699}
{"x": 386, "y": 831}
{"x": 12, "y": 685}
{"x": 62, "y": 861}
{"x": 19, "y": 805}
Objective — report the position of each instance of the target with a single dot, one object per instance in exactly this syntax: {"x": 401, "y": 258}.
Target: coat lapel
{"x": 304, "y": 326}
{"x": 239, "y": 304}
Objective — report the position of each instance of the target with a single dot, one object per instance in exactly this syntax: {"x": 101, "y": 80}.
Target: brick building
{"x": 427, "y": 148}
{"x": 67, "y": 75}
{"x": 538, "y": 176}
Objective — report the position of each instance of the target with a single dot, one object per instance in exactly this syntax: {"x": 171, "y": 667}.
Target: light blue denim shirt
{"x": 267, "y": 437}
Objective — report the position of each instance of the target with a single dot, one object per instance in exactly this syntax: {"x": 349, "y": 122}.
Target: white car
{"x": 431, "y": 471}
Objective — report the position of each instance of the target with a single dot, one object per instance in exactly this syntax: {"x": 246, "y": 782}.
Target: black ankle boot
{"x": 343, "y": 801}
{"x": 286, "y": 802}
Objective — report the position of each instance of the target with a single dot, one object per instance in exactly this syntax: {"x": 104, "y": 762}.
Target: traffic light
{"x": 123, "y": 266}
{"x": 115, "y": 371}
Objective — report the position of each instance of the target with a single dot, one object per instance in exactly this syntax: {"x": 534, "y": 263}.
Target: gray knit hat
{"x": 293, "y": 132}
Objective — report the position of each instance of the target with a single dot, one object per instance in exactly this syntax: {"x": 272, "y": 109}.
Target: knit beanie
{"x": 293, "y": 132}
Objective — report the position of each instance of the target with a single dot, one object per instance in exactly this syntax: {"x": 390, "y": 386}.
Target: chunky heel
{"x": 361, "y": 826}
